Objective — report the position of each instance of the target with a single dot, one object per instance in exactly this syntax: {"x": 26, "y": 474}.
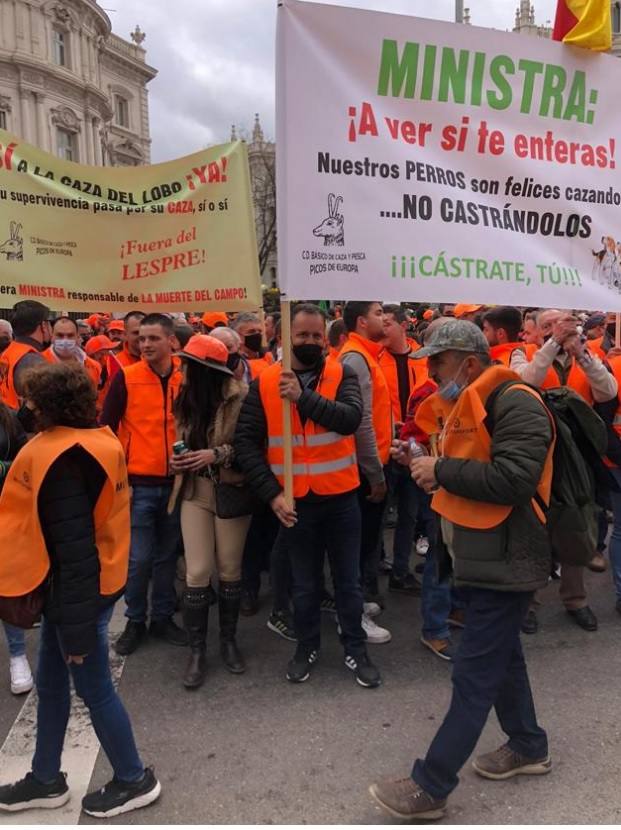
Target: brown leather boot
{"x": 228, "y": 605}
{"x": 504, "y": 763}
{"x": 195, "y": 617}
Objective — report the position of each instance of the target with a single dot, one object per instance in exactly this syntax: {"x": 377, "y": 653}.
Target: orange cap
{"x": 427, "y": 315}
{"x": 207, "y": 351}
{"x": 462, "y": 308}
{"x": 99, "y": 344}
{"x": 212, "y": 318}
{"x": 116, "y": 325}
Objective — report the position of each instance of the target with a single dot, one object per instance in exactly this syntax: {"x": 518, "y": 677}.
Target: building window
{"x": 3, "y": 120}
{"x": 121, "y": 109}
{"x": 616, "y": 18}
{"x": 66, "y": 145}
{"x": 60, "y": 50}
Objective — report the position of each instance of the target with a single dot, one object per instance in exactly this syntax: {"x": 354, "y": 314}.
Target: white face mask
{"x": 64, "y": 346}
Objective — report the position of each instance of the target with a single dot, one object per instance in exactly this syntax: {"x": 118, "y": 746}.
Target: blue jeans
{"x": 155, "y": 540}
{"x": 93, "y": 683}
{"x": 16, "y": 638}
{"x": 333, "y": 525}
{"x": 412, "y": 505}
{"x": 489, "y": 670}
{"x": 614, "y": 549}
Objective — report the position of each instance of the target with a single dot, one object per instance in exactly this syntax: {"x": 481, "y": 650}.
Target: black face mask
{"x": 5, "y": 342}
{"x": 233, "y": 360}
{"x": 253, "y": 342}
{"x": 309, "y": 354}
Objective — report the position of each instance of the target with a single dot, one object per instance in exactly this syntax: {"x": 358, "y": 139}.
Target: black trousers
{"x": 332, "y": 524}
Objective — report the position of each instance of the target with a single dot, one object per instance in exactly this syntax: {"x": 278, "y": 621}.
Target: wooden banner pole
{"x": 285, "y": 322}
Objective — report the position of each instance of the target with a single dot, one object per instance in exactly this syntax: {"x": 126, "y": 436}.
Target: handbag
{"x": 24, "y": 611}
{"x": 234, "y": 500}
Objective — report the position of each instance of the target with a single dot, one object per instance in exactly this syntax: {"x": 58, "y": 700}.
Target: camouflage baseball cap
{"x": 458, "y": 336}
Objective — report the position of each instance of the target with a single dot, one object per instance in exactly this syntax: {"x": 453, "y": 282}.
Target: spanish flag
{"x": 584, "y": 23}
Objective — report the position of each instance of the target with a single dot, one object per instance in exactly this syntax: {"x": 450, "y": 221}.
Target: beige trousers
{"x": 212, "y": 545}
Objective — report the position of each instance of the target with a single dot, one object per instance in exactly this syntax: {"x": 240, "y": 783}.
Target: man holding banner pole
{"x": 324, "y": 404}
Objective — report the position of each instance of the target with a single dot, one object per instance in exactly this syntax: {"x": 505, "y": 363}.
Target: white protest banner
{"x": 420, "y": 160}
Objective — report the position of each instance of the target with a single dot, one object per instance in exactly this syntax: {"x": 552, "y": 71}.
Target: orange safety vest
{"x": 259, "y": 364}
{"x": 388, "y": 365}
{"x": 595, "y": 347}
{"x": 381, "y": 408}
{"x": 9, "y": 359}
{"x": 125, "y": 358}
{"x": 323, "y": 461}
{"x": 503, "y": 352}
{"x": 576, "y": 380}
{"x": 414, "y": 346}
{"x": 90, "y": 366}
{"x": 333, "y": 354}
{"x": 24, "y": 558}
{"x": 147, "y": 428}
{"x": 463, "y": 435}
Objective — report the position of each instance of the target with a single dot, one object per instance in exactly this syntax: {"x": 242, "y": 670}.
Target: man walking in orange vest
{"x": 566, "y": 360}
{"x": 494, "y": 534}
{"x": 326, "y": 413}
{"x": 32, "y": 334}
{"x": 139, "y": 408}
{"x": 365, "y": 326}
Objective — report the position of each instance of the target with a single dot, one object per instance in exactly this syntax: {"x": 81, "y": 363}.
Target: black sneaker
{"x": 298, "y": 669}
{"x": 405, "y": 585}
{"x": 29, "y": 793}
{"x": 328, "y": 605}
{"x": 122, "y": 796}
{"x": 168, "y": 630}
{"x": 131, "y": 638}
{"x": 366, "y": 673}
{"x": 280, "y": 623}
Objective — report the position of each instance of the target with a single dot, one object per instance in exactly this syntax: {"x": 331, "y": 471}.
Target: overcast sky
{"x": 215, "y": 59}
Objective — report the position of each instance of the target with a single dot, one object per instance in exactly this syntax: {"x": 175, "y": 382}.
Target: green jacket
{"x": 515, "y": 555}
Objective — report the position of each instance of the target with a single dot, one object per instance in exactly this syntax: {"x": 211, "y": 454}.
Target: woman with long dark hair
{"x": 206, "y": 410}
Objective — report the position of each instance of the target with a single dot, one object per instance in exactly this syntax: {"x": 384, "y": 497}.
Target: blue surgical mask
{"x": 65, "y": 346}
{"x": 450, "y": 390}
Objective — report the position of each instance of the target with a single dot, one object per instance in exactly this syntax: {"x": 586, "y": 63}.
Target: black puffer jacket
{"x": 343, "y": 415}
{"x": 515, "y": 555}
{"x": 67, "y": 499}
{"x": 12, "y": 439}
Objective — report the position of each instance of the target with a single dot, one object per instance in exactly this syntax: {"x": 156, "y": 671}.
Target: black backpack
{"x": 581, "y": 443}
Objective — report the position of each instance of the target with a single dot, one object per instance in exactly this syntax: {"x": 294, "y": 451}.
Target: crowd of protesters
{"x": 430, "y": 420}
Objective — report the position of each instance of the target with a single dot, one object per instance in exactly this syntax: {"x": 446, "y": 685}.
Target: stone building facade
{"x": 262, "y": 164}
{"x": 70, "y": 86}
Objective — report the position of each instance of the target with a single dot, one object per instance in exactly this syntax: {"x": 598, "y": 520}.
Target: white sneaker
{"x": 371, "y": 609}
{"x": 21, "y": 676}
{"x": 422, "y": 546}
{"x": 375, "y": 634}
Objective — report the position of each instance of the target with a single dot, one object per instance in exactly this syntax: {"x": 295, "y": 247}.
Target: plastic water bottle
{"x": 416, "y": 449}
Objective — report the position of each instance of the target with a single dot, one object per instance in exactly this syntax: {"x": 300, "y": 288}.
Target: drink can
{"x": 179, "y": 448}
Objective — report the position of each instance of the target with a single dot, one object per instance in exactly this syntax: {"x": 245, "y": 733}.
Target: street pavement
{"x": 256, "y": 749}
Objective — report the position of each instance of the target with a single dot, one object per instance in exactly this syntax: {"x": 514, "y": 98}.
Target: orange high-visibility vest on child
{"x": 323, "y": 461}
{"x": 24, "y": 559}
